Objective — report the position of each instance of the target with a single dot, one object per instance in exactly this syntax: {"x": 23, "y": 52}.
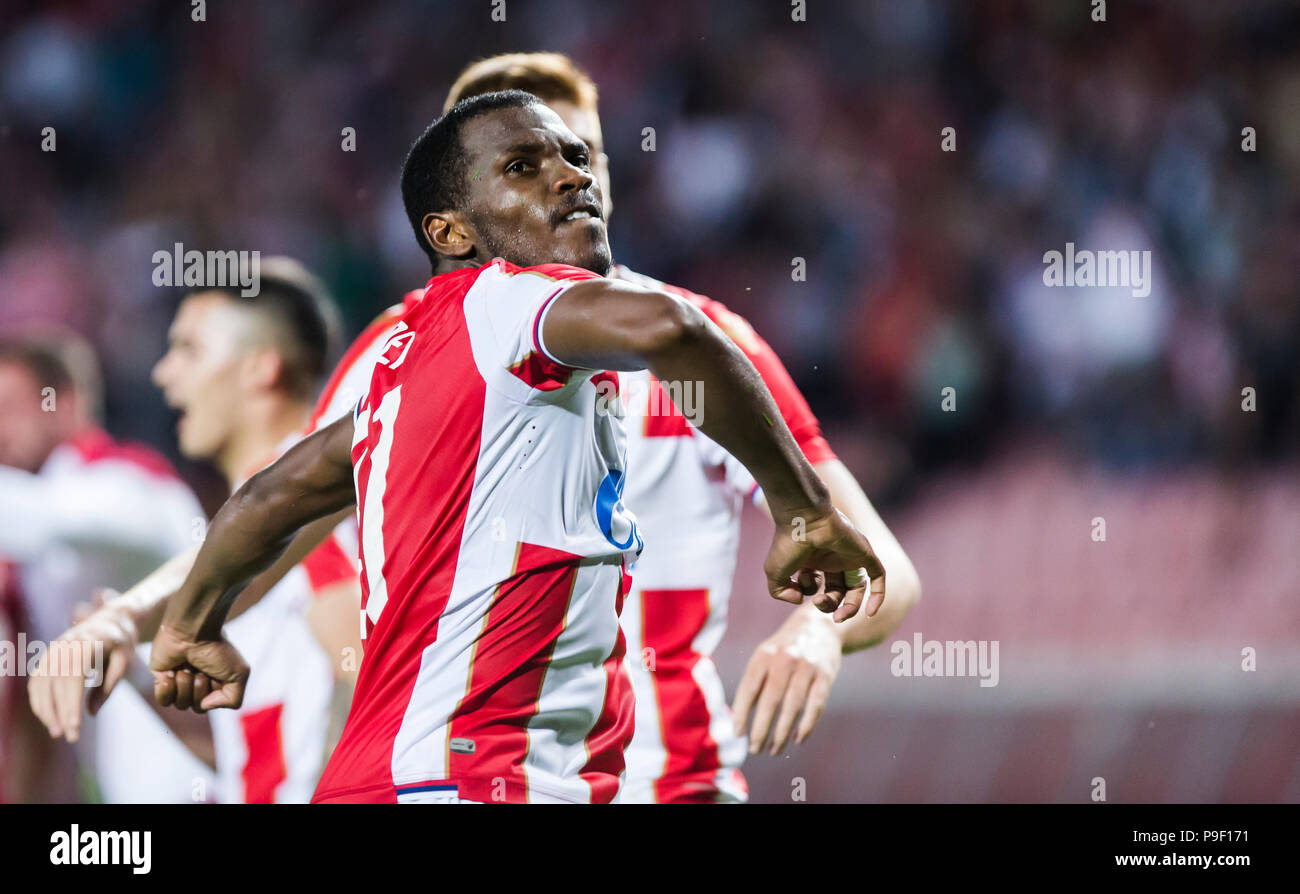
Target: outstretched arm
{"x": 603, "y": 324}
{"x": 312, "y": 480}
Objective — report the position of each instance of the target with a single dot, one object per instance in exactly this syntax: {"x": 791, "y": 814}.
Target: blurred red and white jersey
{"x": 494, "y": 540}
{"x": 688, "y": 493}
{"x": 271, "y": 750}
{"x": 99, "y": 513}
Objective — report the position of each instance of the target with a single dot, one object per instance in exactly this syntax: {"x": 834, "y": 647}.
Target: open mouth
{"x": 586, "y": 211}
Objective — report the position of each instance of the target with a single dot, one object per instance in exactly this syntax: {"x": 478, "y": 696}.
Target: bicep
{"x": 605, "y": 324}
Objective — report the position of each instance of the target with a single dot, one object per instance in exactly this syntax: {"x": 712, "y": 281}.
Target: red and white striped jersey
{"x": 493, "y": 543}
{"x": 687, "y": 492}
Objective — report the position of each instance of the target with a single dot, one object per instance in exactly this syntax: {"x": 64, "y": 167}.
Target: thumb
{"x": 230, "y": 695}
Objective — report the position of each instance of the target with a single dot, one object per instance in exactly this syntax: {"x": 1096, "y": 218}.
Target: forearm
{"x": 256, "y": 525}
{"x": 249, "y": 533}
{"x": 143, "y": 605}
{"x": 735, "y": 409}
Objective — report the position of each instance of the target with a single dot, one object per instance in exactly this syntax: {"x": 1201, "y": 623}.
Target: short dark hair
{"x": 60, "y": 359}
{"x": 303, "y": 318}
{"x": 435, "y": 174}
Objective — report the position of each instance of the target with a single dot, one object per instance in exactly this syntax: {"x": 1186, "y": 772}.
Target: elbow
{"x": 670, "y": 324}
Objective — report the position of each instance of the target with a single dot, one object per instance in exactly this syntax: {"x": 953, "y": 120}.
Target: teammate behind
{"x": 489, "y": 489}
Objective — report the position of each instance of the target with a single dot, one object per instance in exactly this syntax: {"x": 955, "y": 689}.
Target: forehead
{"x": 207, "y": 315}
{"x": 582, "y": 120}
{"x": 500, "y": 130}
{"x": 14, "y": 374}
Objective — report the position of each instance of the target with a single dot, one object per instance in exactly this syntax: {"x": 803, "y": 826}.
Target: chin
{"x": 597, "y": 259}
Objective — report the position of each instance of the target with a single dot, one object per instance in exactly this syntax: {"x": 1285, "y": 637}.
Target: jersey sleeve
{"x": 505, "y": 310}
{"x": 794, "y": 408}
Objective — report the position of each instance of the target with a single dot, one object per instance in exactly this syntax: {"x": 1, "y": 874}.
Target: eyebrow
{"x": 525, "y": 146}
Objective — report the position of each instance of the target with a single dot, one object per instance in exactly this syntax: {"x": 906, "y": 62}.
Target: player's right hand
{"x": 67, "y": 672}
{"x": 196, "y": 673}
{"x": 821, "y": 554}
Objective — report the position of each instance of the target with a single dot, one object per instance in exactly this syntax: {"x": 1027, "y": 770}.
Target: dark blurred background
{"x": 818, "y": 140}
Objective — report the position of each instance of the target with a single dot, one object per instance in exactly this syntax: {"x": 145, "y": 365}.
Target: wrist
{"x": 809, "y": 617}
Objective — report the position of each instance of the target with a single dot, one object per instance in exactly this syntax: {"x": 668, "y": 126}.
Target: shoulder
{"x": 541, "y": 277}
{"x": 94, "y": 448}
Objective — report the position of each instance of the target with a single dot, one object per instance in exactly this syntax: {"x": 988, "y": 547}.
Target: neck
{"x": 447, "y": 265}
{"x": 263, "y": 424}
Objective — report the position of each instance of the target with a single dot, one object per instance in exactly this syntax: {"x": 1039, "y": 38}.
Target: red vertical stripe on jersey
{"x": 264, "y": 768}
{"x": 670, "y": 620}
{"x": 510, "y": 660}
{"x": 421, "y": 560}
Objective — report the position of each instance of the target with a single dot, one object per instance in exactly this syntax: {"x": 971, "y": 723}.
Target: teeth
{"x": 578, "y": 215}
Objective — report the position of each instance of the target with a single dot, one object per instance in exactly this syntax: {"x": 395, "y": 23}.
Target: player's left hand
{"x": 198, "y": 674}
{"x": 790, "y": 672}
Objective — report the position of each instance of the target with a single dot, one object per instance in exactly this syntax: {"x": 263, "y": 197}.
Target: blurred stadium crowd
{"x": 774, "y": 140}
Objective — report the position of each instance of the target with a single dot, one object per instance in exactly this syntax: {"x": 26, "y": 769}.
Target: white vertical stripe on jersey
{"x": 372, "y": 539}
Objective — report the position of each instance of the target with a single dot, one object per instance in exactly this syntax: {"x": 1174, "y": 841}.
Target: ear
{"x": 265, "y": 369}
{"x": 450, "y": 234}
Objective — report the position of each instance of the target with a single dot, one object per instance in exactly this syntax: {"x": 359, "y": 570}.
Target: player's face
{"x": 201, "y": 373}
{"x": 585, "y": 124}
{"x": 532, "y": 196}
{"x": 28, "y": 432}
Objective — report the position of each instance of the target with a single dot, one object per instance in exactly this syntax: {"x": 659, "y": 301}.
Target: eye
{"x": 518, "y": 166}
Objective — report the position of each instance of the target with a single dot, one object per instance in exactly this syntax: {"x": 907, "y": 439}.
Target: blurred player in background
{"x": 79, "y": 511}
{"x": 493, "y": 668}
{"x": 242, "y": 373}
{"x": 687, "y": 494}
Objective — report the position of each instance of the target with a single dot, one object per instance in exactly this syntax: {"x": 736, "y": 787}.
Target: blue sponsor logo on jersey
{"x": 615, "y": 521}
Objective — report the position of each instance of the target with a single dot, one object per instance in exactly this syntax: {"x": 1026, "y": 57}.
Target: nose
{"x": 158, "y": 374}
{"x": 571, "y": 177}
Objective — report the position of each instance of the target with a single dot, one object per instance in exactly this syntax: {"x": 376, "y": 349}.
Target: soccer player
{"x": 686, "y": 493}
{"x": 79, "y": 511}
{"x": 489, "y": 489}
{"x": 242, "y": 373}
